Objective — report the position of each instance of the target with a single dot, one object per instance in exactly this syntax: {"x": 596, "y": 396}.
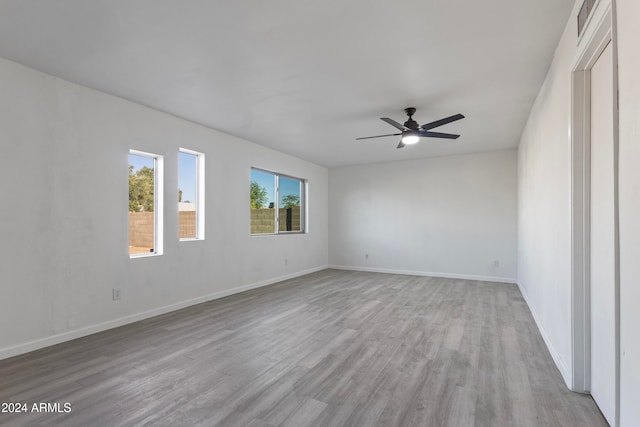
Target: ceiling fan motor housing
{"x": 411, "y": 124}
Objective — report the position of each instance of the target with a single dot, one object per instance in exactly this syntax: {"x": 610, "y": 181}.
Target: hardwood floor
{"x": 333, "y": 348}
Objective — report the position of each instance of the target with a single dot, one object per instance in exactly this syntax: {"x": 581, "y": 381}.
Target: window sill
{"x": 149, "y": 255}
{"x": 283, "y": 233}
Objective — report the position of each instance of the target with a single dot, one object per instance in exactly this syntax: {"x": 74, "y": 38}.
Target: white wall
{"x": 64, "y": 215}
{"x": 450, "y": 216}
{"x": 544, "y": 210}
{"x": 628, "y": 14}
{"x": 544, "y": 205}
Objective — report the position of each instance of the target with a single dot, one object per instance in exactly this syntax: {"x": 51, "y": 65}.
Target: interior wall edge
{"x": 555, "y": 355}
{"x": 508, "y": 280}
{"x": 27, "y": 347}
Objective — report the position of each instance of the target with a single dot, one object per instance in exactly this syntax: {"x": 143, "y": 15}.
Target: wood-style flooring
{"x": 334, "y": 348}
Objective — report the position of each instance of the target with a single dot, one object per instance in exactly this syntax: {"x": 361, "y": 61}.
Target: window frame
{"x": 158, "y": 203}
{"x": 303, "y": 203}
{"x": 200, "y": 195}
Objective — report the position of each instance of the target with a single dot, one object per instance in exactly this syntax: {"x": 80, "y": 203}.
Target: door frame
{"x": 598, "y": 33}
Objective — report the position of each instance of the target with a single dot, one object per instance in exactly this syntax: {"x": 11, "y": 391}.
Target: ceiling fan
{"x": 411, "y": 131}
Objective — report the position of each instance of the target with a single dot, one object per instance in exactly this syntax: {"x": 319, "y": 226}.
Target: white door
{"x": 603, "y": 357}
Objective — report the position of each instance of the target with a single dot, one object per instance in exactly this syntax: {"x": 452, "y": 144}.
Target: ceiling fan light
{"x": 410, "y": 139}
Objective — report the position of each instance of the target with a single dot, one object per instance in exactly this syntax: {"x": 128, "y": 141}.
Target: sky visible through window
{"x": 187, "y": 169}
{"x": 267, "y": 181}
{"x": 138, "y": 162}
{"x": 187, "y": 177}
{"x": 187, "y": 172}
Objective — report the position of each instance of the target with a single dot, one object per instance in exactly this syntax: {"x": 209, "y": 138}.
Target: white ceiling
{"x": 305, "y": 77}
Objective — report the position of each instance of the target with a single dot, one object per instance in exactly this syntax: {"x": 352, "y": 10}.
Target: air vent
{"x": 585, "y": 10}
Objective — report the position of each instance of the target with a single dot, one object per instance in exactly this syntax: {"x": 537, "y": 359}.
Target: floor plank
{"x": 333, "y": 348}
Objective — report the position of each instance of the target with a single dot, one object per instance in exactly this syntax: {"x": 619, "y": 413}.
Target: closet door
{"x": 603, "y": 357}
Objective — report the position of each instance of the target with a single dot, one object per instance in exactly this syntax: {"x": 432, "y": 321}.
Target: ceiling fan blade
{"x": 378, "y": 136}
{"x": 394, "y": 123}
{"x": 442, "y": 122}
{"x": 439, "y": 135}
{"x": 401, "y": 144}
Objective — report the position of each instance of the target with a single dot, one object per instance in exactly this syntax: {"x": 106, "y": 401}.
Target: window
{"x": 190, "y": 195}
{"x": 276, "y": 203}
{"x": 145, "y": 204}
{"x": 290, "y": 205}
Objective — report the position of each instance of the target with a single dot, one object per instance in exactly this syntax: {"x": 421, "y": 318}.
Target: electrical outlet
{"x": 116, "y": 294}
{"x": 286, "y": 261}
{"x": 496, "y": 263}
{"x": 366, "y": 256}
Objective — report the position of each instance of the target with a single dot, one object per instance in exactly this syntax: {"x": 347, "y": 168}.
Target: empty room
{"x": 410, "y": 213}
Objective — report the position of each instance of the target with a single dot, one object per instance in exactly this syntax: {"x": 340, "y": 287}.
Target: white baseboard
{"x": 564, "y": 370}
{"x": 428, "y": 273}
{"x": 30, "y": 346}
